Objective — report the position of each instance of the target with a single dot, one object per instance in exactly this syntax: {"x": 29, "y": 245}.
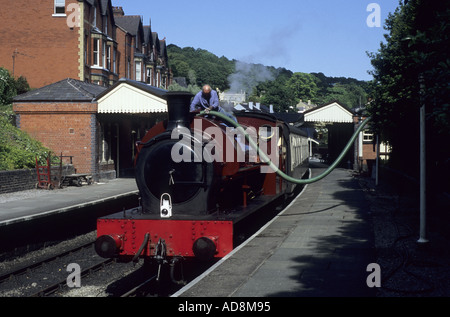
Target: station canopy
{"x": 129, "y": 96}
{"x": 331, "y": 112}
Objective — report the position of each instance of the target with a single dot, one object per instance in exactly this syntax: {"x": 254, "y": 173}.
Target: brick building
{"x": 58, "y": 39}
{"x": 63, "y": 117}
{"x": 144, "y": 55}
{"x": 97, "y": 126}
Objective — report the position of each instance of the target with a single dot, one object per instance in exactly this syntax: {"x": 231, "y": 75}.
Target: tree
{"x": 7, "y": 87}
{"x": 416, "y": 50}
{"x": 10, "y": 87}
{"x": 304, "y": 86}
{"x": 350, "y": 95}
{"x": 206, "y": 67}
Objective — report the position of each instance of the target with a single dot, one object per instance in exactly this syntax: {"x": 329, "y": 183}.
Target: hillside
{"x": 265, "y": 84}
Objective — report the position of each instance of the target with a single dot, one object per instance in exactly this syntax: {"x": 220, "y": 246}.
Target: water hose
{"x": 265, "y": 159}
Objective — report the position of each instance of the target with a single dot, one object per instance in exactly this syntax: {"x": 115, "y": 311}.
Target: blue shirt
{"x": 200, "y": 101}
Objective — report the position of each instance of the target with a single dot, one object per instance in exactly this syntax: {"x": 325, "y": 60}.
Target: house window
{"x": 96, "y": 52}
{"x": 149, "y": 75}
{"x": 108, "y": 57}
{"x": 105, "y": 24}
{"x": 114, "y": 60}
{"x": 60, "y": 7}
{"x": 138, "y": 71}
{"x": 104, "y": 55}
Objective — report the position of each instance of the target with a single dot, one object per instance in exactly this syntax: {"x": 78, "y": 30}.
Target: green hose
{"x": 265, "y": 159}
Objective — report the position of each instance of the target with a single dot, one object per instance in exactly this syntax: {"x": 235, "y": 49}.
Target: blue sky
{"x": 328, "y": 36}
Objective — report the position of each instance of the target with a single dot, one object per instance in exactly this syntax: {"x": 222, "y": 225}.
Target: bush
{"x": 17, "y": 149}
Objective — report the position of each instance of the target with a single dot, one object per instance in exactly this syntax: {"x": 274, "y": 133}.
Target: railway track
{"x": 63, "y": 283}
{"x": 27, "y": 279}
{"x": 30, "y": 267}
{"x": 48, "y": 276}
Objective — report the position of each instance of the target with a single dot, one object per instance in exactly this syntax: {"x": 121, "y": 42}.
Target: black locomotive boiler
{"x": 197, "y": 178}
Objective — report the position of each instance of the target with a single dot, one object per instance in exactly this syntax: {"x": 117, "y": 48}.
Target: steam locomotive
{"x": 198, "y": 178}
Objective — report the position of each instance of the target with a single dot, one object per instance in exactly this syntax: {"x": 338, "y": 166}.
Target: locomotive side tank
{"x": 197, "y": 179}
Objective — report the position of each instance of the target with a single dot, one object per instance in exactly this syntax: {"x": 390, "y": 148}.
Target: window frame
{"x": 58, "y": 4}
{"x": 96, "y": 52}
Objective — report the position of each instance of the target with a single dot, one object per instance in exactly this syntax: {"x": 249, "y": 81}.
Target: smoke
{"x": 247, "y": 76}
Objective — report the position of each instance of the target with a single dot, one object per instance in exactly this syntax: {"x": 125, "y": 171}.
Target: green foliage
{"x": 351, "y": 95}
{"x": 10, "y": 87}
{"x": 415, "y": 53}
{"x": 276, "y": 92}
{"x": 7, "y": 87}
{"x": 200, "y": 66}
{"x": 277, "y": 86}
{"x": 304, "y": 86}
{"x": 17, "y": 149}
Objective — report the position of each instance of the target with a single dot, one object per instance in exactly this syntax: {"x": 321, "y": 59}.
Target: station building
{"x": 341, "y": 123}
{"x": 94, "y": 126}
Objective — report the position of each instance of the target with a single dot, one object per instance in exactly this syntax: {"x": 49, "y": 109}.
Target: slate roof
{"x": 294, "y": 118}
{"x": 130, "y": 23}
{"x": 148, "y": 38}
{"x": 68, "y": 90}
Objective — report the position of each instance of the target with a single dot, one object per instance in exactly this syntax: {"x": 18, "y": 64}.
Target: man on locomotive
{"x": 206, "y": 99}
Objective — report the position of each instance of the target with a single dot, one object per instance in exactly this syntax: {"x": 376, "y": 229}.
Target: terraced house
{"x": 97, "y": 75}
{"x": 79, "y": 39}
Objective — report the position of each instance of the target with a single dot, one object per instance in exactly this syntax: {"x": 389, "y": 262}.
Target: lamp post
{"x": 423, "y": 211}
{"x": 423, "y": 208}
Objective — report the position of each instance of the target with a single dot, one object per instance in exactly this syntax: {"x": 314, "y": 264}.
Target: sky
{"x": 328, "y": 36}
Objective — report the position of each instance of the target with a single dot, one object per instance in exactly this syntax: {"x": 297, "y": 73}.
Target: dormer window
{"x": 60, "y": 7}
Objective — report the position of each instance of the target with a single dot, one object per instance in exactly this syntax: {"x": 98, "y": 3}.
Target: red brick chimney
{"x": 118, "y": 12}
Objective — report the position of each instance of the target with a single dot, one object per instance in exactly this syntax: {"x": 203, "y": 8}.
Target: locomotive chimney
{"x": 178, "y": 103}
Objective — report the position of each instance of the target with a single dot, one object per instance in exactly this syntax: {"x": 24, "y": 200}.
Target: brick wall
{"x": 47, "y": 49}
{"x": 67, "y": 128}
{"x": 24, "y": 179}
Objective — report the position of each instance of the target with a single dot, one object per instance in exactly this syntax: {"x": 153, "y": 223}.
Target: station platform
{"x": 320, "y": 245}
{"x": 32, "y": 204}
